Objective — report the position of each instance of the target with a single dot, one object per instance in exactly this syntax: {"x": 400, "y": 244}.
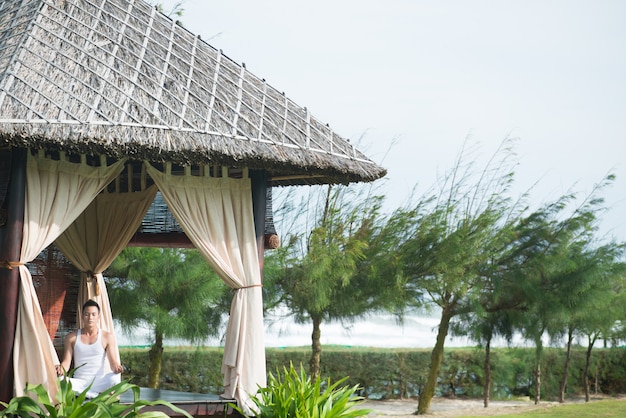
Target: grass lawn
{"x": 604, "y": 408}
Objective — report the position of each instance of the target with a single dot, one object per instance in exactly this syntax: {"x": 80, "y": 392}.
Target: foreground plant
{"x": 76, "y": 405}
{"x": 297, "y": 395}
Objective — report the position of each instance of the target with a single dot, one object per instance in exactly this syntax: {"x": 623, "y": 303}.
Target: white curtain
{"x": 216, "y": 214}
{"x": 96, "y": 237}
{"x": 56, "y": 193}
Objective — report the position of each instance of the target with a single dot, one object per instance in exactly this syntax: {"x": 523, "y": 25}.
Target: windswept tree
{"x": 602, "y": 307}
{"x": 558, "y": 268}
{"x": 504, "y": 296}
{"x": 173, "y": 292}
{"x": 451, "y": 236}
{"x": 316, "y": 273}
{"x": 542, "y": 278}
{"x": 594, "y": 274}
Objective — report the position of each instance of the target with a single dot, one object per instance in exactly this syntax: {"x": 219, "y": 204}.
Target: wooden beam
{"x": 175, "y": 240}
{"x": 10, "y": 247}
{"x": 161, "y": 240}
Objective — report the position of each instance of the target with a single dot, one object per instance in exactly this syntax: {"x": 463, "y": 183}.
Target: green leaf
{"x": 294, "y": 394}
{"x": 72, "y": 405}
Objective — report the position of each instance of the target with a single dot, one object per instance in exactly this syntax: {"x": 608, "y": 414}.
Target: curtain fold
{"x": 216, "y": 214}
{"x": 96, "y": 237}
{"x": 56, "y": 193}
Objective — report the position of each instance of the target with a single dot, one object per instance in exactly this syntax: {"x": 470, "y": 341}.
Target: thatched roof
{"x": 117, "y": 77}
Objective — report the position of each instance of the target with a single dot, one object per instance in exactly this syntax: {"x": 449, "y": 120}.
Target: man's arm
{"x": 110, "y": 345}
{"x": 68, "y": 351}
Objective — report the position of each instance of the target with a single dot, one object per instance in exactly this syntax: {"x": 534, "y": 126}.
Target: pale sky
{"x": 429, "y": 73}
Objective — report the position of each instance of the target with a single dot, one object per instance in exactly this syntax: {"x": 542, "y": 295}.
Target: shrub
{"x": 296, "y": 395}
{"x": 400, "y": 373}
{"x": 69, "y": 403}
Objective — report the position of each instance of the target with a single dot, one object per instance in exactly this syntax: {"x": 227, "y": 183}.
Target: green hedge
{"x": 398, "y": 373}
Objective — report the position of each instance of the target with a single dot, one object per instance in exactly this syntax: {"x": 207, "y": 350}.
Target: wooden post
{"x": 10, "y": 247}
{"x": 258, "y": 179}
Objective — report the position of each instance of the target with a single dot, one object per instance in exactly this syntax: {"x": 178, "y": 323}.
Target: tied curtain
{"x": 96, "y": 237}
{"x": 56, "y": 194}
{"x": 216, "y": 214}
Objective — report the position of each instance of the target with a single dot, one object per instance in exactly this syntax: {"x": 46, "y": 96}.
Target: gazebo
{"x": 104, "y": 103}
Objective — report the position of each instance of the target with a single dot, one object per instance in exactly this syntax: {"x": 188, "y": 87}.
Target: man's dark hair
{"x": 89, "y": 303}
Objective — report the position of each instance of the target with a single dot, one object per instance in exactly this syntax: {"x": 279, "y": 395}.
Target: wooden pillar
{"x": 10, "y": 247}
{"x": 258, "y": 179}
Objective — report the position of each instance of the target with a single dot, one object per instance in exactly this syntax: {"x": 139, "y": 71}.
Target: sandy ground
{"x": 451, "y": 407}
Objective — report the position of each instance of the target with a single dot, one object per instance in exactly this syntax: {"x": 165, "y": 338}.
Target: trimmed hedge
{"x": 398, "y": 373}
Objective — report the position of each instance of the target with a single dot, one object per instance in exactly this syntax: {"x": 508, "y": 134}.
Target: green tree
{"x": 603, "y": 307}
{"x": 562, "y": 278}
{"x": 319, "y": 275}
{"x": 452, "y": 236}
{"x": 595, "y": 273}
{"x": 172, "y": 291}
{"x": 544, "y": 275}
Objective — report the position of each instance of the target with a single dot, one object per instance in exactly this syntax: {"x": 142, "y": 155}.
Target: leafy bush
{"x": 70, "y": 404}
{"x": 184, "y": 369}
{"x": 296, "y": 395}
{"x": 382, "y": 373}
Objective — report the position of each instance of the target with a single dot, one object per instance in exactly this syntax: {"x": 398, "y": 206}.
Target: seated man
{"x": 88, "y": 347}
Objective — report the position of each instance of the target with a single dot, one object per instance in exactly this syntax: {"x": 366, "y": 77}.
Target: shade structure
{"x": 117, "y": 77}
{"x": 106, "y": 81}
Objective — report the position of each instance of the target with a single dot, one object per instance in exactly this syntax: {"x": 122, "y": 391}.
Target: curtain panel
{"x": 216, "y": 214}
{"x": 96, "y": 237}
{"x": 56, "y": 193}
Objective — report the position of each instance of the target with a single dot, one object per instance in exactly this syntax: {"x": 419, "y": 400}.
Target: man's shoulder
{"x": 106, "y": 334}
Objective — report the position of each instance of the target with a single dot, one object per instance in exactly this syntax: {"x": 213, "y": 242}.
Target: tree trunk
{"x": 568, "y": 354}
{"x": 487, "y": 387}
{"x": 316, "y": 348}
{"x": 538, "y": 353}
{"x": 156, "y": 361}
{"x": 587, "y": 364}
{"x": 436, "y": 357}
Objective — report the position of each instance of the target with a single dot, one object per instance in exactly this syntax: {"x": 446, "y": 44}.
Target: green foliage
{"x": 314, "y": 272}
{"x": 322, "y": 271}
{"x": 189, "y": 369}
{"x": 382, "y": 373}
{"x": 454, "y": 235}
{"x": 294, "y": 394}
{"x": 173, "y": 291}
{"x": 70, "y": 404}
{"x": 609, "y": 372}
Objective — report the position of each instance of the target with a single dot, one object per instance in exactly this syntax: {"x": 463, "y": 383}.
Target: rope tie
{"x": 249, "y": 286}
{"x": 5, "y": 264}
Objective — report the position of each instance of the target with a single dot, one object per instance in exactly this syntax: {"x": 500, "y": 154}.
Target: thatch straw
{"x": 119, "y": 78}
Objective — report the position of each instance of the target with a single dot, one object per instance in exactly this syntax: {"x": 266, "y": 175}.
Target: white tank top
{"x": 88, "y": 358}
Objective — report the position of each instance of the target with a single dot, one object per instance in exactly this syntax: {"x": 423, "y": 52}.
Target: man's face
{"x": 91, "y": 315}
